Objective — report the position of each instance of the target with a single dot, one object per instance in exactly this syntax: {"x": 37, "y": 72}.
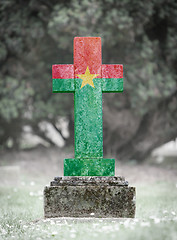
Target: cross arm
{"x": 63, "y": 78}
{"x": 112, "y": 78}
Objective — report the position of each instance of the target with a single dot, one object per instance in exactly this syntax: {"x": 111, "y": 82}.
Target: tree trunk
{"x": 156, "y": 127}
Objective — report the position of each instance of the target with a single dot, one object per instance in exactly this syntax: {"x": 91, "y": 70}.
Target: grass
{"x": 21, "y": 202}
{"x": 21, "y": 216}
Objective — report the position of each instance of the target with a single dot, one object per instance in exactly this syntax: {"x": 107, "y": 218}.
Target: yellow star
{"x": 87, "y": 78}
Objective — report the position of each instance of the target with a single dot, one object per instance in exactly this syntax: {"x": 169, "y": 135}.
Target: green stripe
{"x": 63, "y": 85}
{"x": 108, "y": 85}
{"x": 112, "y": 84}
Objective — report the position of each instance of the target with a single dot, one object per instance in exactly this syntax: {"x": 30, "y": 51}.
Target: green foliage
{"x": 15, "y": 96}
{"x": 127, "y": 31}
{"x": 36, "y": 34}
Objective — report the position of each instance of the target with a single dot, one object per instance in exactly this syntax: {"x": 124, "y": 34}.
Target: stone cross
{"x": 88, "y": 78}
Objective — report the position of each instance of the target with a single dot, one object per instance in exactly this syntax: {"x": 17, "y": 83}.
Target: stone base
{"x": 106, "y": 197}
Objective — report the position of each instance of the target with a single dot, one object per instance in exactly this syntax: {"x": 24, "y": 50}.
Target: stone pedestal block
{"x": 89, "y": 197}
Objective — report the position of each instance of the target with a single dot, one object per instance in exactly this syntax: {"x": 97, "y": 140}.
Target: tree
{"x": 141, "y": 35}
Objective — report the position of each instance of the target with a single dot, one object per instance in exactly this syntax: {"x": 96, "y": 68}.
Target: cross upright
{"x": 88, "y": 78}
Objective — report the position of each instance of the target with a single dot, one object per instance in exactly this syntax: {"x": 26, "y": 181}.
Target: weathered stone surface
{"x": 91, "y": 197}
{"x": 84, "y": 181}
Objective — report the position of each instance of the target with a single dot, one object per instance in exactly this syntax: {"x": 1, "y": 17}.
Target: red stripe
{"x": 112, "y": 71}
{"x": 63, "y": 71}
{"x": 87, "y": 52}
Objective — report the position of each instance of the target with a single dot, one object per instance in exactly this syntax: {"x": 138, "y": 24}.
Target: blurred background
{"x": 37, "y": 126}
{"x": 141, "y": 35}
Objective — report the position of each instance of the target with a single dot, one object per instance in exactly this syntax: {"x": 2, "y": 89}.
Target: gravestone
{"x": 89, "y": 187}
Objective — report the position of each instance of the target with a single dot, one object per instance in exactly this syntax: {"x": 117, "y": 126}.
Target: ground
{"x": 24, "y": 174}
